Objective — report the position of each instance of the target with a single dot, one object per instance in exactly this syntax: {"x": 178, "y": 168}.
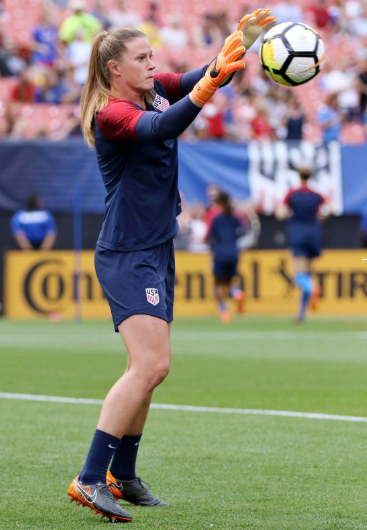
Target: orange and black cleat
{"x": 225, "y": 316}
{"x": 239, "y": 297}
{"x": 100, "y": 499}
{"x": 315, "y": 297}
{"x": 133, "y": 491}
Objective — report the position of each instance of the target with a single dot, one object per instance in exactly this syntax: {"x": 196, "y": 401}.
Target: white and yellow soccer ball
{"x": 292, "y": 53}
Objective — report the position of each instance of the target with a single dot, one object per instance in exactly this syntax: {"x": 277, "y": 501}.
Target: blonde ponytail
{"x": 96, "y": 93}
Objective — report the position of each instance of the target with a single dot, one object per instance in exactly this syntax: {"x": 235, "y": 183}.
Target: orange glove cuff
{"x": 204, "y": 89}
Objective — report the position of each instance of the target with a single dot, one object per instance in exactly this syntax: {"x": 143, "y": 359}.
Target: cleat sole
{"x": 116, "y": 519}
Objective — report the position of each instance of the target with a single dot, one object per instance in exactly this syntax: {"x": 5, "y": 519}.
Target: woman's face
{"x": 136, "y": 68}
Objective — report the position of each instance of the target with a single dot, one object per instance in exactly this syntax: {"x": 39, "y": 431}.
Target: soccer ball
{"x": 292, "y": 54}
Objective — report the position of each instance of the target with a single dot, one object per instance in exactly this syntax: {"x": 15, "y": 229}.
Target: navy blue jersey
{"x": 36, "y": 224}
{"x": 304, "y": 204}
{"x": 223, "y": 234}
{"x": 137, "y": 157}
{"x": 304, "y": 229}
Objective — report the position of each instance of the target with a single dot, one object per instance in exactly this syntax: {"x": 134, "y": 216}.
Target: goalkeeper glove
{"x": 227, "y": 62}
{"x": 253, "y": 25}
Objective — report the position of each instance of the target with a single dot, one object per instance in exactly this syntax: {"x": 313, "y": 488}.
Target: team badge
{"x": 160, "y": 103}
{"x": 152, "y": 296}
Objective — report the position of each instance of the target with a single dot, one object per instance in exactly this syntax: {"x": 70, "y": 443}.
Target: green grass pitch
{"x": 218, "y": 471}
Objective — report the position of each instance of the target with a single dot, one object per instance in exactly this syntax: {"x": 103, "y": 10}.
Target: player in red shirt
{"x": 302, "y": 208}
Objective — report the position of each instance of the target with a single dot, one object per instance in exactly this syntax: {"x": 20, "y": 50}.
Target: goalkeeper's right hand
{"x": 228, "y": 61}
{"x": 253, "y": 25}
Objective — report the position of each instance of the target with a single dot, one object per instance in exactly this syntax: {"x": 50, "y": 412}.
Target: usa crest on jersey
{"x": 152, "y": 296}
{"x": 160, "y": 103}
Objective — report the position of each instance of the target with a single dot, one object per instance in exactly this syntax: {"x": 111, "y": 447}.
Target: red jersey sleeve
{"x": 117, "y": 122}
{"x": 210, "y": 215}
{"x": 172, "y": 85}
{"x": 287, "y": 198}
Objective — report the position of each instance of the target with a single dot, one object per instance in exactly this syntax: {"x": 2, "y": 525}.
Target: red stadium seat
{"x": 43, "y": 119}
{"x": 22, "y": 16}
{"x": 6, "y": 87}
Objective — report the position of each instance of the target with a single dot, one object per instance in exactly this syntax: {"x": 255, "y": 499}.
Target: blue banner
{"x": 354, "y": 171}
{"x": 53, "y": 169}
{"x": 50, "y": 170}
{"x": 204, "y": 163}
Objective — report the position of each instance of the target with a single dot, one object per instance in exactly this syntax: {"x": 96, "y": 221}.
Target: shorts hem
{"x": 303, "y": 254}
{"x": 119, "y": 320}
{"x": 145, "y": 246}
{"x": 223, "y": 280}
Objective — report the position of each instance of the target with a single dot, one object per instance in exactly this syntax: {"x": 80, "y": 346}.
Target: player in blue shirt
{"x": 331, "y": 120}
{"x": 302, "y": 206}
{"x": 225, "y": 230}
{"x": 34, "y": 227}
{"x": 133, "y": 117}
{"x": 44, "y": 43}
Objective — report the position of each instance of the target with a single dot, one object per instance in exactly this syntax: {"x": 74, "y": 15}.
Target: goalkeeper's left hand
{"x": 227, "y": 63}
{"x": 253, "y": 25}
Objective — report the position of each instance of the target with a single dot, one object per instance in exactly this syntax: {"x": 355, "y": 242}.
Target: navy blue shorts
{"x": 225, "y": 269}
{"x": 306, "y": 243}
{"x": 140, "y": 282}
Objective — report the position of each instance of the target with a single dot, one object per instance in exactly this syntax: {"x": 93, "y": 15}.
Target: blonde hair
{"x": 107, "y": 46}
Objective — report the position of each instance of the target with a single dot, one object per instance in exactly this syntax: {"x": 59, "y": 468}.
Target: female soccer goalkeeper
{"x": 133, "y": 118}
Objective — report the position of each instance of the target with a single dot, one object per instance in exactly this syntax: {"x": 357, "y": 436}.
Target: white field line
{"x": 189, "y": 408}
{"x": 272, "y": 335}
{"x": 200, "y": 335}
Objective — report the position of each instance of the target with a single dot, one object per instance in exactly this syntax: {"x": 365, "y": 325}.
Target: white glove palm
{"x": 253, "y": 25}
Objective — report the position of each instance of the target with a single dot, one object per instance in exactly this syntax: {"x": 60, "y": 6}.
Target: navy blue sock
{"x": 99, "y": 457}
{"x": 124, "y": 460}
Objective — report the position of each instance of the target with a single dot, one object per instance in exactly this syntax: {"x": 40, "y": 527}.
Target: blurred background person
{"x": 294, "y": 120}
{"x": 44, "y": 40}
{"x": 302, "y": 207}
{"x": 123, "y": 17}
{"x": 153, "y": 14}
{"x": 221, "y": 19}
{"x": 52, "y": 91}
{"x": 11, "y": 64}
{"x": 213, "y": 209}
{"x": 173, "y": 33}
{"x": 287, "y": 11}
{"x": 80, "y": 20}
{"x": 197, "y": 229}
{"x": 151, "y": 25}
{"x": 99, "y": 11}
{"x": 330, "y": 119}
{"x": 25, "y": 90}
{"x": 226, "y": 228}
{"x": 319, "y": 14}
{"x": 262, "y": 131}
{"x": 78, "y": 54}
{"x": 207, "y": 33}
{"x": 34, "y": 227}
